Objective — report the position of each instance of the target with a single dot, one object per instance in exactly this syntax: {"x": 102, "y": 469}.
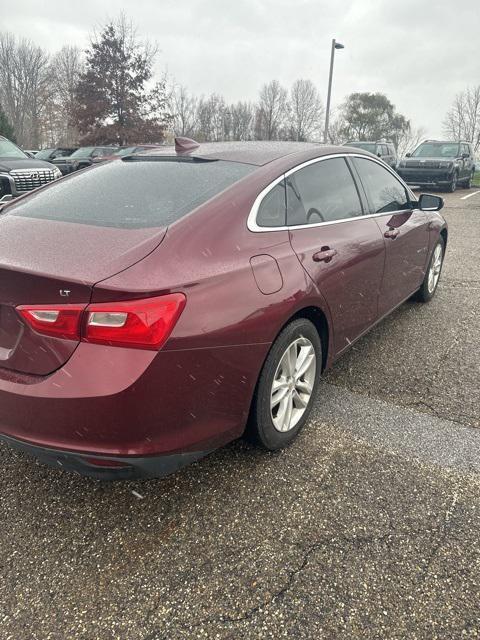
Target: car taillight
{"x": 142, "y": 324}
{"x": 61, "y": 320}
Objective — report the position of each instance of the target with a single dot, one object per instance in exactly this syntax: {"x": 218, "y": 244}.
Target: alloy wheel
{"x": 435, "y": 268}
{"x": 293, "y": 384}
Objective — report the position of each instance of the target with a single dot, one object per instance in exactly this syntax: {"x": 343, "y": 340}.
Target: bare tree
{"x": 409, "y": 139}
{"x": 242, "y": 118}
{"x": 462, "y": 121}
{"x": 305, "y": 110}
{"x": 183, "y": 107}
{"x": 24, "y": 86}
{"x": 58, "y": 123}
{"x": 336, "y": 128}
{"x": 67, "y": 67}
{"x": 213, "y": 118}
{"x": 271, "y": 111}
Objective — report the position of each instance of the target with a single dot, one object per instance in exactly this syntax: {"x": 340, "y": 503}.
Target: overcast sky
{"x": 418, "y": 52}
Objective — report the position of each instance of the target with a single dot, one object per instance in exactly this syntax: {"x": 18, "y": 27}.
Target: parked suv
{"x": 58, "y": 152}
{"x": 20, "y": 173}
{"x": 83, "y": 157}
{"x": 384, "y": 150}
{"x": 439, "y": 163}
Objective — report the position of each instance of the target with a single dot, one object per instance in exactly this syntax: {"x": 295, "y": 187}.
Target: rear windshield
{"x": 132, "y": 194}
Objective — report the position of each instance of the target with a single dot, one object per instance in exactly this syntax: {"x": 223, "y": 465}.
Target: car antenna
{"x": 185, "y": 145}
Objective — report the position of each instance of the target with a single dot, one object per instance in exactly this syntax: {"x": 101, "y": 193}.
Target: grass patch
{"x": 476, "y": 179}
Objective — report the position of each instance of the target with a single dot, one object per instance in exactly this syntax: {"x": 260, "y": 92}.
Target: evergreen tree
{"x": 113, "y": 103}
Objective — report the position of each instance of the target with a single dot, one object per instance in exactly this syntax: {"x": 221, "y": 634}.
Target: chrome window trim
{"x": 252, "y": 216}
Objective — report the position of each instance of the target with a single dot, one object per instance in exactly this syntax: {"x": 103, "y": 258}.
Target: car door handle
{"x": 324, "y": 255}
{"x": 391, "y": 233}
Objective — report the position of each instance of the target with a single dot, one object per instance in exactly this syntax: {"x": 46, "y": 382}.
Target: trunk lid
{"x": 56, "y": 262}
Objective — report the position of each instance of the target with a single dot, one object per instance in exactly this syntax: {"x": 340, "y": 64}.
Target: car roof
{"x": 253, "y": 152}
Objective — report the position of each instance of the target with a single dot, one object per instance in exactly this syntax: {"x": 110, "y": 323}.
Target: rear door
{"x": 340, "y": 248}
{"x": 404, "y": 229}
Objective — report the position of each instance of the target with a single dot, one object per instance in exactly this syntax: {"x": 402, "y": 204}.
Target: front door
{"x": 404, "y": 229}
{"x": 341, "y": 249}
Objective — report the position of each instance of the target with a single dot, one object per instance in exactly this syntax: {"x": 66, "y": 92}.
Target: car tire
{"x": 432, "y": 275}
{"x": 468, "y": 183}
{"x": 452, "y": 187}
{"x": 293, "y": 366}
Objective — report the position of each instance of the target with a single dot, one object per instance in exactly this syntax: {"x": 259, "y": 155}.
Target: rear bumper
{"x": 131, "y": 405}
{"x": 107, "y": 468}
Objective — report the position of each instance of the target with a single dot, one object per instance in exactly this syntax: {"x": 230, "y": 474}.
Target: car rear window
{"x": 132, "y": 194}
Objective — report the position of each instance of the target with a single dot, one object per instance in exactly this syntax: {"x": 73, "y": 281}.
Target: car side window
{"x": 272, "y": 210}
{"x": 385, "y": 193}
{"x": 385, "y": 151}
{"x": 465, "y": 149}
{"x": 322, "y": 192}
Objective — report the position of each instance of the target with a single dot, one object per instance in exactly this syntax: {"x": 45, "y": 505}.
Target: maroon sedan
{"x": 155, "y": 308}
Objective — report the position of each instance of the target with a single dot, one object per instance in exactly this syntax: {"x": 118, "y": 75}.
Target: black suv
{"x": 384, "y": 150}
{"x": 439, "y": 163}
{"x": 57, "y": 152}
{"x": 83, "y": 157}
{"x": 20, "y": 173}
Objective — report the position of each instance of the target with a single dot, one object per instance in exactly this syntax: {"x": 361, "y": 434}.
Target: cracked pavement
{"x": 367, "y": 527}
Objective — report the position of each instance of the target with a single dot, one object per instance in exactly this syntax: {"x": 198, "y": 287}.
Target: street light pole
{"x": 335, "y": 45}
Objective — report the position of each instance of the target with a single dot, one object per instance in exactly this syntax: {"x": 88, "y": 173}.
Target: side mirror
{"x": 408, "y": 155}
{"x": 379, "y": 155}
{"x": 428, "y": 202}
{"x": 465, "y": 155}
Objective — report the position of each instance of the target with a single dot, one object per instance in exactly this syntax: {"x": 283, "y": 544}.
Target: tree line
{"x": 108, "y": 94}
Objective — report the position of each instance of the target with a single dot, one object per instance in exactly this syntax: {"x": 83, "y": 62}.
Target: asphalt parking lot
{"x": 367, "y": 527}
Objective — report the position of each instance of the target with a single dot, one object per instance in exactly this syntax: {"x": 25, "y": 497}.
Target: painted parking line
{"x": 469, "y": 195}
